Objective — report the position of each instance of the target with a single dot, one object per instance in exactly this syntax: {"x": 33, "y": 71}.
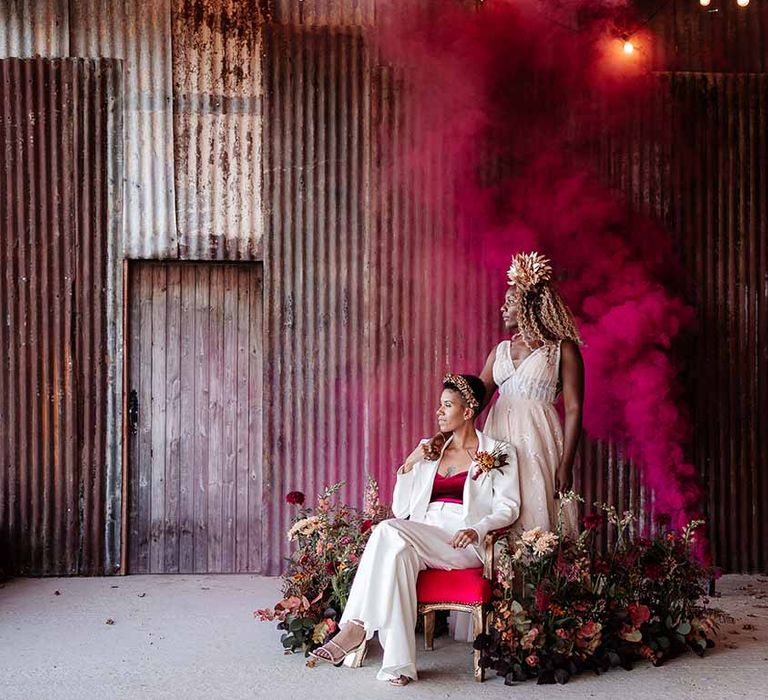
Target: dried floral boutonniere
{"x": 487, "y": 461}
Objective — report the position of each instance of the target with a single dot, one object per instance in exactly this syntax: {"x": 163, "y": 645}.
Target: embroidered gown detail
{"x": 524, "y": 415}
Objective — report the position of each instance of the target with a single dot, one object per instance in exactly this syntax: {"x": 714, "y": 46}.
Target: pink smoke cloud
{"x": 514, "y": 100}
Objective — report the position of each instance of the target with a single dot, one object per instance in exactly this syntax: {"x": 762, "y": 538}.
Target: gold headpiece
{"x": 462, "y": 385}
{"x": 527, "y": 270}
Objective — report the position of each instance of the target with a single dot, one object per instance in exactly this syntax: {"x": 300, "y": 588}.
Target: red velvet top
{"x": 449, "y": 488}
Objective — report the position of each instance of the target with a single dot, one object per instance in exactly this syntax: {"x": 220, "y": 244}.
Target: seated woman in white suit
{"x": 442, "y": 515}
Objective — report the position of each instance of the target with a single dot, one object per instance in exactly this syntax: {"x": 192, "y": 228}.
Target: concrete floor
{"x": 195, "y": 637}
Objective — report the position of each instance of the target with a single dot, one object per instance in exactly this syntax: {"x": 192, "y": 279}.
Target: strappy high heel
{"x": 355, "y": 658}
{"x": 351, "y": 658}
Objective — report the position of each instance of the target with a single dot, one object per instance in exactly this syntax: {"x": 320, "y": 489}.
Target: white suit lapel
{"x": 470, "y": 485}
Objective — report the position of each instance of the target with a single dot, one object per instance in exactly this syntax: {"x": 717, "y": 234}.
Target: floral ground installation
{"x": 329, "y": 539}
{"x": 561, "y": 605}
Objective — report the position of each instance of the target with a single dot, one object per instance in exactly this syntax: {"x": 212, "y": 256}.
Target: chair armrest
{"x": 490, "y": 541}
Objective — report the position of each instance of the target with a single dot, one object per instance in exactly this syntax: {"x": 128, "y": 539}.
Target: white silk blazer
{"x": 490, "y": 502}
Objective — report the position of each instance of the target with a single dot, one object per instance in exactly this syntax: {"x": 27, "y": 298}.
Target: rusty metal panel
{"x": 325, "y": 13}
{"x": 57, "y": 234}
{"x": 707, "y": 180}
{"x": 192, "y": 124}
{"x": 140, "y": 33}
{"x": 217, "y": 128}
{"x": 34, "y": 28}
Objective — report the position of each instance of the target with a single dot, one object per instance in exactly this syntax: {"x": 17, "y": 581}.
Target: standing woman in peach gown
{"x": 538, "y": 364}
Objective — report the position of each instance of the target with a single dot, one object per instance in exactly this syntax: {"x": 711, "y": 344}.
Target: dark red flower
{"x": 601, "y": 567}
{"x": 366, "y": 525}
{"x": 330, "y": 568}
{"x": 638, "y": 613}
{"x": 295, "y": 498}
{"x": 592, "y": 521}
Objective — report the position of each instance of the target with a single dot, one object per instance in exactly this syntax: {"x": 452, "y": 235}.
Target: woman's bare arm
{"x": 487, "y": 376}
{"x": 572, "y": 379}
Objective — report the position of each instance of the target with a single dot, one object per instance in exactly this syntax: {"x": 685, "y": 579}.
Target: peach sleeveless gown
{"x": 524, "y": 415}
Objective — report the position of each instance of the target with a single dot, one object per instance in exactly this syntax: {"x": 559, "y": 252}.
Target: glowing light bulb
{"x": 705, "y": 3}
{"x": 629, "y": 47}
{"x": 742, "y": 3}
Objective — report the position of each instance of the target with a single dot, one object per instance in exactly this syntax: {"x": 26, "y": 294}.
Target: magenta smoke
{"x": 513, "y": 100}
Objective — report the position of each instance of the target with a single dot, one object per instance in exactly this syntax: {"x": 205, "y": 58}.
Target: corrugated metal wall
{"x": 707, "y": 180}
{"x": 351, "y": 314}
{"x": 216, "y": 69}
{"x": 192, "y": 112}
{"x": 316, "y": 185}
{"x": 57, "y": 398}
{"x": 721, "y": 192}
{"x": 310, "y": 123}
{"x": 361, "y": 318}
{"x": 723, "y": 38}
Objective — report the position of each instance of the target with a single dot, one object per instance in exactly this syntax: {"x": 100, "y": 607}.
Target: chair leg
{"x": 478, "y": 617}
{"x": 429, "y": 630}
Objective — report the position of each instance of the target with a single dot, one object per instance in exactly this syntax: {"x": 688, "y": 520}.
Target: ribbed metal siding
{"x": 360, "y": 319}
{"x": 56, "y": 396}
{"x": 139, "y": 33}
{"x": 324, "y": 13}
{"x": 217, "y": 128}
{"x": 192, "y": 117}
{"x": 34, "y": 28}
{"x": 721, "y": 38}
{"x": 707, "y": 180}
{"x": 721, "y": 189}
{"x": 315, "y": 185}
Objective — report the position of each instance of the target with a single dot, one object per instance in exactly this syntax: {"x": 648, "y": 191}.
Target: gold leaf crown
{"x": 528, "y": 269}
{"x": 462, "y": 385}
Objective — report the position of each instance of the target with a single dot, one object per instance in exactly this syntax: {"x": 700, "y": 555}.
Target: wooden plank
{"x": 143, "y": 491}
{"x": 255, "y": 434}
{"x": 215, "y": 408}
{"x": 187, "y": 417}
{"x": 202, "y": 419}
{"x": 173, "y": 418}
{"x": 243, "y": 364}
{"x": 229, "y": 418}
{"x": 133, "y": 362}
{"x": 158, "y": 412}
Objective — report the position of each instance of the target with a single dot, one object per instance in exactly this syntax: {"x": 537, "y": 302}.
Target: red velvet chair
{"x": 462, "y": 590}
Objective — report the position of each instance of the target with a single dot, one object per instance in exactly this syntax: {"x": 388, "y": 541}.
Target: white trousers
{"x": 383, "y": 595}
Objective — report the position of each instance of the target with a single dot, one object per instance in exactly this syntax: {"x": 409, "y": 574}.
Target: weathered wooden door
{"x": 194, "y": 417}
